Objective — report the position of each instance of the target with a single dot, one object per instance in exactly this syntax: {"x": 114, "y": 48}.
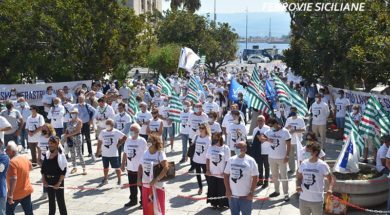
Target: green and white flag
{"x": 256, "y": 98}
{"x": 175, "y": 107}
{"x": 350, "y": 128}
{"x": 165, "y": 87}
{"x": 133, "y": 106}
{"x": 375, "y": 121}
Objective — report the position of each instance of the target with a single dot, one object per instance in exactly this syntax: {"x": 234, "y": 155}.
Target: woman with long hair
{"x": 217, "y": 156}
{"x": 153, "y": 194}
{"x": 202, "y": 143}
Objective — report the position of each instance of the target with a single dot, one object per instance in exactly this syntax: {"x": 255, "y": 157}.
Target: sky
{"x": 232, "y": 6}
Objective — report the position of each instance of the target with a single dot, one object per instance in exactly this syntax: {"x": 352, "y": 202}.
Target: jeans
{"x": 86, "y": 132}
{"x": 132, "y": 176}
{"x": 310, "y": 208}
{"x": 26, "y": 205}
{"x": 3, "y": 200}
{"x": 340, "y": 122}
{"x": 23, "y": 137}
{"x": 59, "y": 196}
{"x": 242, "y": 205}
{"x": 184, "y": 141}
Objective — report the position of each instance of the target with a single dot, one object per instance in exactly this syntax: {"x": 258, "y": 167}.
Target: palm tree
{"x": 189, "y": 5}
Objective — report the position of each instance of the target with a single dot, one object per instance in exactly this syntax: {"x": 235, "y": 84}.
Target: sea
{"x": 279, "y": 46}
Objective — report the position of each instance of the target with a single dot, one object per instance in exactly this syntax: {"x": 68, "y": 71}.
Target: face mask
{"x": 293, "y": 114}
{"x": 307, "y": 155}
{"x": 109, "y": 127}
{"x": 55, "y": 105}
{"x": 237, "y": 151}
{"x": 214, "y": 142}
{"x": 23, "y": 104}
{"x": 210, "y": 100}
{"x": 355, "y": 111}
{"x": 240, "y": 98}
{"x": 132, "y": 134}
{"x": 211, "y": 120}
{"x": 119, "y": 100}
{"x": 166, "y": 103}
{"x": 236, "y": 121}
{"x": 13, "y": 93}
{"x": 74, "y": 115}
{"x": 317, "y": 99}
{"x": 196, "y": 110}
{"x": 158, "y": 94}
{"x": 188, "y": 108}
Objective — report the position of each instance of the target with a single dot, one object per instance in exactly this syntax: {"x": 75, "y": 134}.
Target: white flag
{"x": 348, "y": 160}
{"x": 188, "y": 58}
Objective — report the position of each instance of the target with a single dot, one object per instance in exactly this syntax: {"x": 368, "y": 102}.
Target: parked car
{"x": 258, "y": 59}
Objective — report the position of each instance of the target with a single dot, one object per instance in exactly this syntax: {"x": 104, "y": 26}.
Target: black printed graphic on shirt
{"x": 316, "y": 112}
{"x": 236, "y": 175}
{"x": 108, "y": 141}
{"x": 309, "y": 180}
{"x": 275, "y": 145}
{"x": 131, "y": 154}
{"x": 199, "y": 149}
{"x": 216, "y": 159}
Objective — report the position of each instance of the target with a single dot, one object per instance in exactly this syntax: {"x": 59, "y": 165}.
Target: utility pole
{"x": 269, "y": 34}
{"x": 215, "y": 12}
{"x": 246, "y": 29}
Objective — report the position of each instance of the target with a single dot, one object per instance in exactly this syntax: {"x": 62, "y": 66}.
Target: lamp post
{"x": 246, "y": 30}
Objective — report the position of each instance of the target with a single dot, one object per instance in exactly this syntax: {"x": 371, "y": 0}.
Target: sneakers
{"x": 265, "y": 185}
{"x": 182, "y": 160}
{"x": 259, "y": 183}
{"x": 118, "y": 182}
{"x": 104, "y": 182}
{"x": 44, "y": 196}
{"x": 131, "y": 204}
{"x": 274, "y": 194}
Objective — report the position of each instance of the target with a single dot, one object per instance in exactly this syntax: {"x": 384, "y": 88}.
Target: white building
{"x": 144, "y": 6}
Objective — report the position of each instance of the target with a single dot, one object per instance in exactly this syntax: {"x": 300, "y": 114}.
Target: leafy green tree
{"x": 164, "y": 59}
{"x": 189, "y": 5}
{"x": 342, "y": 49}
{"x": 62, "y": 40}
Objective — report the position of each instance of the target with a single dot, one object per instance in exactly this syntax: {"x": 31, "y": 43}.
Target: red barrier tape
{"x": 205, "y": 198}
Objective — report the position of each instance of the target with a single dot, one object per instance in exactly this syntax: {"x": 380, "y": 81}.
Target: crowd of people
{"x": 235, "y": 147}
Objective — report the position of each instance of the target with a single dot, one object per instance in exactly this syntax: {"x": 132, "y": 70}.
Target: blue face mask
{"x": 306, "y": 155}
{"x": 237, "y": 151}
{"x": 293, "y": 114}
{"x": 132, "y": 133}
{"x": 196, "y": 110}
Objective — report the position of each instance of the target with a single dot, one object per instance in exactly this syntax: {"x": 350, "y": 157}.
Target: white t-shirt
{"x": 154, "y": 125}
{"x": 320, "y": 113}
{"x": 381, "y": 154}
{"x": 241, "y": 171}
{"x": 121, "y": 120}
{"x": 125, "y": 92}
{"x": 158, "y": 101}
{"x": 148, "y": 161}
{"x": 234, "y": 137}
{"x": 142, "y": 118}
{"x": 278, "y": 143}
{"x": 313, "y": 180}
{"x": 164, "y": 112}
{"x": 201, "y": 146}
{"x": 110, "y": 142}
{"x": 266, "y": 146}
{"x": 3, "y": 124}
{"x": 210, "y": 106}
{"x": 48, "y": 99}
{"x": 295, "y": 124}
{"x": 43, "y": 144}
{"x": 68, "y": 108}
{"x": 229, "y": 119}
{"x": 215, "y": 128}
{"x": 134, "y": 150}
{"x": 194, "y": 122}
{"x": 218, "y": 156}
{"x": 102, "y": 114}
{"x": 56, "y": 115}
{"x": 184, "y": 125}
{"x": 33, "y": 123}
{"x": 341, "y": 106}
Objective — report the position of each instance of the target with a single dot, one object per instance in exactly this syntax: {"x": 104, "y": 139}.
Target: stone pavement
{"x": 110, "y": 199}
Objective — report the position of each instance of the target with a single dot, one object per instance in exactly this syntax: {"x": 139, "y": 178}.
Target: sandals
{"x": 74, "y": 170}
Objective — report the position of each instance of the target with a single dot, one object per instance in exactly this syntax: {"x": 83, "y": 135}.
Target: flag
{"x": 255, "y": 76}
{"x": 375, "y": 121}
{"x": 192, "y": 96}
{"x": 175, "y": 107}
{"x": 348, "y": 160}
{"x": 133, "y": 106}
{"x": 351, "y": 128}
{"x": 165, "y": 87}
{"x": 234, "y": 89}
{"x": 187, "y": 58}
{"x": 290, "y": 97}
{"x": 270, "y": 93}
{"x": 257, "y": 101}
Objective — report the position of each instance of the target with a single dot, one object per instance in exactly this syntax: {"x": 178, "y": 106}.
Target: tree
{"x": 164, "y": 59}
{"x": 190, "y": 5}
{"x": 341, "y": 49}
{"x": 63, "y": 40}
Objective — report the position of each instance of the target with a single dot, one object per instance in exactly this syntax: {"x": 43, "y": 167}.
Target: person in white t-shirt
{"x": 210, "y": 105}
{"x": 240, "y": 178}
{"x": 216, "y": 158}
{"x": 381, "y": 156}
{"x": 122, "y": 122}
{"x": 152, "y": 188}
{"x": 68, "y": 95}
{"x": 310, "y": 182}
{"x": 320, "y": 112}
{"x": 157, "y": 100}
{"x": 134, "y": 148}
{"x": 168, "y": 129}
{"x": 236, "y": 130}
{"x": 125, "y": 91}
{"x": 342, "y": 105}
{"x": 185, "y": 129}
{"x": 356, "y": 115}
{"x": 260, "y": 150}
{"x": 215, "y": 127}
{"x": 34, "y": 125}
{"x": 296, "y": 126}
{"x": 155, "y": 125}
{"x": 305, "y": 153}
{"x": 108, "y": 142}
{"x": 280, "y": 140}
{"x": 202, "y": 143}
{"x": 47, "y": 99}
{"x": 102, "y": 113}
{"x": 56, "y": 116}
{"x": 4, "y": 126}
{"x": 143, "y": 118}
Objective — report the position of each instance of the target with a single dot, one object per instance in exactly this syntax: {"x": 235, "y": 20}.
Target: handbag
{"x": 191, "y": 149}
{"x": 171, "y": 173}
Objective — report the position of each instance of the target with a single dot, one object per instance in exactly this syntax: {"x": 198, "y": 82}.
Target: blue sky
{"x": 230, "y": 6}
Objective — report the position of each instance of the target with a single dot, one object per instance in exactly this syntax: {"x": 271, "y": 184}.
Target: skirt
{"x": 216, "y": 188}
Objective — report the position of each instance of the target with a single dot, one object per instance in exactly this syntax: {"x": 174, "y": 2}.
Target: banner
{"x": 361, "y": 98}
{"x": 33, "y": 92}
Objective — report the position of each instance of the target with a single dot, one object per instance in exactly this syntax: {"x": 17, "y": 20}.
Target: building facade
{"x": 144, "y": 6}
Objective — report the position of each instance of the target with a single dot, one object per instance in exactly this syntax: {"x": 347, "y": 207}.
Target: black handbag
{"x": 171, "y": 173}
{"x": 191, "y": 149}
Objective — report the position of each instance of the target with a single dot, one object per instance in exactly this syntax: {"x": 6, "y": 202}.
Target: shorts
{"x": 340, "y": 121}
{"x": 114, "y": 161}
{"x": 168, "y": 131}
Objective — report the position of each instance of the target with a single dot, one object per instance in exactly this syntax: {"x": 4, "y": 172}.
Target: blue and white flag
{"x": 234, "y": 89}
{"x": 270, "y": 93}
{"x": 348, "y": 160}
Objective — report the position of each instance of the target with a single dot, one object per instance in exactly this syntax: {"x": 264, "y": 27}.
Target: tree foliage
{"x": 62, "y": 40}
{"x": 189, "y": 5}
{"x": 164, "y": 59}
{"x": 342, "y": 48}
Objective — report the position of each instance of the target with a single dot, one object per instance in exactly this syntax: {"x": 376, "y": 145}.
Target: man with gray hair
{"x": 135, "y": 147}
{"x": 4, "y": 163}
{"x": 18, "y": 180}
{"x": 143, "y": 118}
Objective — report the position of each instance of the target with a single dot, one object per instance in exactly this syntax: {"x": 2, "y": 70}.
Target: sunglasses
{"x": 202, "y": 127}
{"x": 54, "y": 138}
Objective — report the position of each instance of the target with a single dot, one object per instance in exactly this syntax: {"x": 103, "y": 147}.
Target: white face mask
{"x": 355, "y": 111}
{"x": 119, "y": 100}
{"x": 211, "y": 120}
{"x": 74, "y": 115}
{"x": 210, "y": 100}
{"x": 109, "y": 127}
